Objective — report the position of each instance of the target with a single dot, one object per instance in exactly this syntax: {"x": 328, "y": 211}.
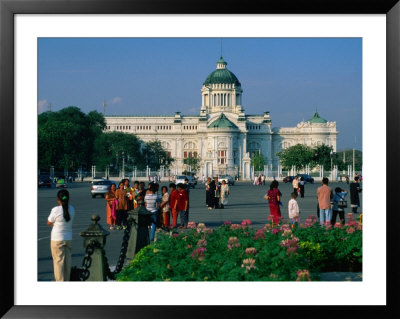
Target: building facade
{"x": 222, "y": 136}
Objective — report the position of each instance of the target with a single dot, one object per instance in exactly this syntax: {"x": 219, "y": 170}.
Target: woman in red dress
{"x": 274, "y": 197}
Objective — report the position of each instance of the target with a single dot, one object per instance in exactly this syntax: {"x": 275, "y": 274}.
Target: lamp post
{"x": 123, "y": 164}
{"x": 331, "y": 164}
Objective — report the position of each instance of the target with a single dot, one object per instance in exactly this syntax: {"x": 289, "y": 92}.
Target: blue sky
{"x": 290, "y": 77}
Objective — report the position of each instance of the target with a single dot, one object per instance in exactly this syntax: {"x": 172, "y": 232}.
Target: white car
{"x": 101, "y": 187}
{"x": 181, "y": 179}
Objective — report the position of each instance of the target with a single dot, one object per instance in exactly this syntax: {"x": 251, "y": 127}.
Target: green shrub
{"x": 241, "y": 253}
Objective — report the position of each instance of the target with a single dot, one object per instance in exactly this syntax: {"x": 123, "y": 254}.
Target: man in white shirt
{"x": 293, "y": 208}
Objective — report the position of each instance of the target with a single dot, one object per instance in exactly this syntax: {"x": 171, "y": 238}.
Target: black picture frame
{"x": 8, "y": 8}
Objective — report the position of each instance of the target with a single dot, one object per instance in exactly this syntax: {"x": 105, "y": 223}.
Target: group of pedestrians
{"x": 259, "y": 180}
{"x": 216, "y": 193}
{"x": 329, "y": 206}
{"x": 298, "y": 185}
{"x": 169, "y": 203}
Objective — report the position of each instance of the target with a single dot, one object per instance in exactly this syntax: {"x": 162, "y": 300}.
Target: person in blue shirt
{"x": 340, "y": 194}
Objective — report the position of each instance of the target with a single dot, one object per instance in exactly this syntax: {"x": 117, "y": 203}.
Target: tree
{"x": 155, "y": 155}
{"x": 322, "y": 156}
{"x": 258, "y": 161}
{"x": 112, "y": 149}
{"x": 299, "y": 155}
{"x": 345, "y": 158}
{"x": 66, "y": 138}
{"x": 193, "y": 162}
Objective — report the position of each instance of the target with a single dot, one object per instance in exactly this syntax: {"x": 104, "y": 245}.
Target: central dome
{"x": 221, "y": 75}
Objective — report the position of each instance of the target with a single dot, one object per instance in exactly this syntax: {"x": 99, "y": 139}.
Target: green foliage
{"x": 70, "y": 139}
{"x": 113, "y": 148}
{"x": 347, "y": 156}
{"x": 241, "y": 253}
{"x": 299, "y": 155}
{"x": 322, "y": 156}
{"x": 193, "y": 162}
{"x": 65, "y": 138}
{"x": 155, "y": 155}
{"x": 258, "y": 161}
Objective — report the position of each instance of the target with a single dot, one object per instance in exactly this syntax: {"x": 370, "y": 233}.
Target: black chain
{"x": 109, "y": 273}
{"x": 87, "y": 261}
{"x": 122, "y": 254}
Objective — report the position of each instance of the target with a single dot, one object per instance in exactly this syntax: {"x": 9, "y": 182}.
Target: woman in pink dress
{"x": 274, "y": 197}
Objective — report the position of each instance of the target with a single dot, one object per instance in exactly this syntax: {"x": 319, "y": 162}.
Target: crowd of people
{"x": 329, "y": 204}
{"x": 164, "y": 204}
{"x": 174, "y": 203}
{"x": 216, "y": 193}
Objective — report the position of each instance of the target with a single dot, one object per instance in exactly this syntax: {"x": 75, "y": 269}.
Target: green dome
{"x": 317, "y": 119}
{"x": 222, "y": 75}
{"x": 222, "y": 122}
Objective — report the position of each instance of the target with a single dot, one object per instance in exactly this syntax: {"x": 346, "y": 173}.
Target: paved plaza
{"x": 246, "y": 201}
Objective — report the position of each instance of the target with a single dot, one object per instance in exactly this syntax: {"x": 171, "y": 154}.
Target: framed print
{"x": 23, "y": 24}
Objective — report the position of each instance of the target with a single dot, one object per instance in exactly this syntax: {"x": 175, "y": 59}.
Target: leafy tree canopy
{"x": 114, "y": 149}
{"x": 323, "y": 155}
{"x": 258, "y": 161}
{"x": 298, "y": 155}
{"x": 155, "y": 155}
{"x": 66, "y": 138}
{"x": 193, "y": 162}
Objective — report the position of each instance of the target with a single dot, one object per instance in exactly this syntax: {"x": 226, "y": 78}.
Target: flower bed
{"x": 238, "y": 252}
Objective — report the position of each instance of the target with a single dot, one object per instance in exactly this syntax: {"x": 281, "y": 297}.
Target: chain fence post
{"x": 94, "y": 268}
{"x": 141, "y": 220}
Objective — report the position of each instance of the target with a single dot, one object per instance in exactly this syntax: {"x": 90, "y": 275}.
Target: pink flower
{"x": 287, "y": 233}
{"x": 290, "y": 242}
{"x": 235, "y": 226}
{"x": 328, "y": 225}
{"x": 259, "y": 234}
{"x": 227, "y": 223}
{"x": 246, "y": 222}
{"x": 201, "y": 228}
{"x": 249, "y": 264}
{"x": 233, "y": 242}
{"x": 351, "y": 223}
{"x": 338, "y": 225}
{"x": 285, "y": 227}
{"x": 275, "y": 230}
{"x": 175, "y": 235}
{"x": 191, "y": 225}
{"x": 273, "y": 276}
{"x": 189, "y": 246}
{"x": 250, "y": 251}
{"x": 202, "y": 242}
{"x": 350, "y": 230}
{"x": 303, "y": 275}
{"x": 198, "y": 253}
{"x": 291, "y": 250}
{"x": 310, "y": 221}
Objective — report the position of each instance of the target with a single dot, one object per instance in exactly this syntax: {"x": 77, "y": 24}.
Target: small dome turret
{"x": 316, "y": 119}
{"x": 221, "y": 75}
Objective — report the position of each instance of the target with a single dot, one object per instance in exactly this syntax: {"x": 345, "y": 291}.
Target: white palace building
{"x": 223, "y": 136}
